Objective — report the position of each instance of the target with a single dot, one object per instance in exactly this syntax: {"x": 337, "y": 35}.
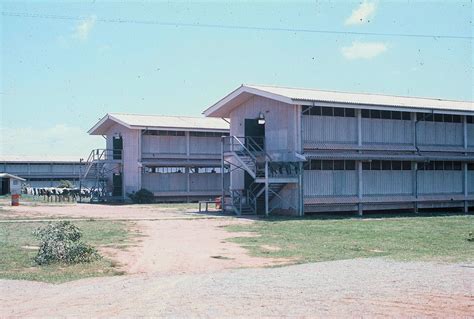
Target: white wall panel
{"x": 440, "y": 133}
{"x": 164, "y": 182}
{"x": 387, "y": 182}
{"x": 329, "y": 129}
{"x": 163, "y": 144}
{"x": 330, "y": 183}
{"x": 384, "y": 131}
{"x": 440, "y": 182}
{"x": 205, "y": 145}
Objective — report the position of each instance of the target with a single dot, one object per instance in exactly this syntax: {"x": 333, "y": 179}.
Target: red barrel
{"x": 218, "y": 202}
{"x": 15, "y": 200}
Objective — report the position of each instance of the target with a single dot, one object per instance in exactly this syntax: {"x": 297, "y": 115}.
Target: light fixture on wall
{"x": 261, "y": 119}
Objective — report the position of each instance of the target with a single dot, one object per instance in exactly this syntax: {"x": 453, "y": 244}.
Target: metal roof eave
{"x": 213, "y": 111}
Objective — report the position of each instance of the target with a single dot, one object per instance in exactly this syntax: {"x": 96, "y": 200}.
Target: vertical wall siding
{"x": 470, "y": 134}
{"x": 328, "y": 129}
{"x": 470, "y": 182}
{"x": 204, "y": 182}
{"x": 440, "y": 182}
{"x": 437, "y": 133}
{"x": 164, "y": 182}
{"x": 387, "y": 182}
{"x": 383, "y": 131}
{"x": 205, "y": 145}
{"x": 330, "y": 183}
{"x": 163, "y": 144}
{"x": 131, "y": 156}
{"x": 20, "y": 168}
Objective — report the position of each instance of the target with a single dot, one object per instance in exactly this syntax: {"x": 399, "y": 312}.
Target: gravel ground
{"x": 359, "y": 287}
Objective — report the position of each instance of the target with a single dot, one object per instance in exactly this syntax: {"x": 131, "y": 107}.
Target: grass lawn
{"x": 18, "y": 247}
{"x": 411, "y": 238}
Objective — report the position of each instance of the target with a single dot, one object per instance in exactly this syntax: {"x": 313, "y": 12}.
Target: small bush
{"x": 470, "y": 237}
{"x": 60, "y": 242}
{"x": 65, "y": 184}
{"x": 143, "y": 196}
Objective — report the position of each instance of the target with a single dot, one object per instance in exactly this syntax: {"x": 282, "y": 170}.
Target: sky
{"x": 64, "y": 65}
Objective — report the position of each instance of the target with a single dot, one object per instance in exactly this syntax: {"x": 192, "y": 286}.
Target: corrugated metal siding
{"x": 387, "y": 182}
{"x": 205, "y": 145}
{"x": 163, "y": 144}
{"x": 470, "y": 182}
{"x": 437, "y": 133}
{"x": 387, "y": 131}
{"x": 280, "y": 125}
{"x": 330, "y": 183}
{"x": 470, "y": 134}
{"x": 164, "y": 182}
{"x": 440, "y": 182}
{"x": 205, "y": 181}
{"x": 63, "y": 169}
{"x": 328, "y": 129}
{"x": 20, "y": 168}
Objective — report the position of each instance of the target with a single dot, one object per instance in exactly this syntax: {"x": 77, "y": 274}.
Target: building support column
{"x": 223, "y": 176}
{"x": 359, "y": 127}
{"x": 266, "y": 189}
{"x": 414, "y": 167}
{"x": 465, "y": 166}
{"x": 466, "y": 191}
{"x": 300, "y": 189}
{"x": 360, "y": 207}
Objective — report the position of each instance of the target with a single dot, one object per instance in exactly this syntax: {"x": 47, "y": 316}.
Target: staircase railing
{"x": 98, "y": 155}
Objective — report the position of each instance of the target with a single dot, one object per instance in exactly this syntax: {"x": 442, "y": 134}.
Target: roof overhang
{"x": 104, "y": 124}
{"x": 224, "y": 107}
{"x": 11, "y": 176}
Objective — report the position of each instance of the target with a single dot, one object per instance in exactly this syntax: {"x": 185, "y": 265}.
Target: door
{"x": 117, "y": 148}
{"x": 5, "y": 186}
{"x": 257, "y": 133}
{"x": 117, "y": 185}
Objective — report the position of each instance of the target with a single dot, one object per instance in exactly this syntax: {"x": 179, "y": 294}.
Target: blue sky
{"x": 58, "y": 76}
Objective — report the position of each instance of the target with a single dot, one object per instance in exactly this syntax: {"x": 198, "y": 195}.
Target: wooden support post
{"x": 360, "y": 187}
{"x": 414, "y": 167}
{"x": 222, "y": 175}
{"x": 266, "y": 189}
{"x": 301, "y": 189}
{"x": 466, "y": 190}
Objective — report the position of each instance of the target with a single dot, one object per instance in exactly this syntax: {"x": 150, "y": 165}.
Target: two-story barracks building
{"x": 308, "y": 150}
{"x": 175, "y": 157}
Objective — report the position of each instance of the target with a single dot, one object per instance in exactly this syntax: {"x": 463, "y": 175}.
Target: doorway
{"x": 117, "y": 185}
{"x": 4, "y": 186}
{"x": 257, "y": 132}
{"x": 117, "y": 147}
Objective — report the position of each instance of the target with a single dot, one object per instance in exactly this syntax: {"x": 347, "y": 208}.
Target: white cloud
{"x": 362, "y": 14}
{"x": 84, "y": 27}
{"x": 57, "y": 140}
{"x": 363, "y": 50}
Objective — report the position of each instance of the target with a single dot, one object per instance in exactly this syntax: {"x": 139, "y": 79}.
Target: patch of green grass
{"x": 18, "y": 247}
{"x": 442, "y": 239}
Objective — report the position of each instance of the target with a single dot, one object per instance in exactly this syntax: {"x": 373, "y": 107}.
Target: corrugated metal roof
{"x": 308, "y": 96}
{"x": 38, "y": 159}
{"x": 365, "y": 98}
{"x": 184, "y": 122}
{"x": 6, "y": 175}
{"x": 138, "y": 121}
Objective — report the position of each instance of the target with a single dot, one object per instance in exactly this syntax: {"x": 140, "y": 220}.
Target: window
{"x": 329, "y": 165}
{"x": 442, "y": 118}
{"x": 164, "y": 169}
{"x": 387, "y": 165}
{"x": 440, "y": 166}
{"x": 163, "y": 133}
{"x": 202, "y": 170}
{"x": 328, "y": 111}
{"x": 208, "y": 134}
{"x": 470, "y": 119}
{"x": 386, "y": 115}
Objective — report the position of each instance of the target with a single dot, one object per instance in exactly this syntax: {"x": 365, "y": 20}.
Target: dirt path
{"x": 348, "y": 288}
{"x": 171, "y": 247}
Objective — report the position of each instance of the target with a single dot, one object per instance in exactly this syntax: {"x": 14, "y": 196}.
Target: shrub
{"x": 143, "y": 196}
{"x": 60, "y": 242}
{"x": 65, "y": 184}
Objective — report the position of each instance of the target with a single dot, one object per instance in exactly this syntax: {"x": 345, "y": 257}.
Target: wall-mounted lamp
{"x": 261, "y": 119}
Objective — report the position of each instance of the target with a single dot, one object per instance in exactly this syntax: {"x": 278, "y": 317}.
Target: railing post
{"x": 222, "y": 173}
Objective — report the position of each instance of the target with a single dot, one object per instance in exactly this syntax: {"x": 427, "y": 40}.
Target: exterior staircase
{"x": 269, "y": 176}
